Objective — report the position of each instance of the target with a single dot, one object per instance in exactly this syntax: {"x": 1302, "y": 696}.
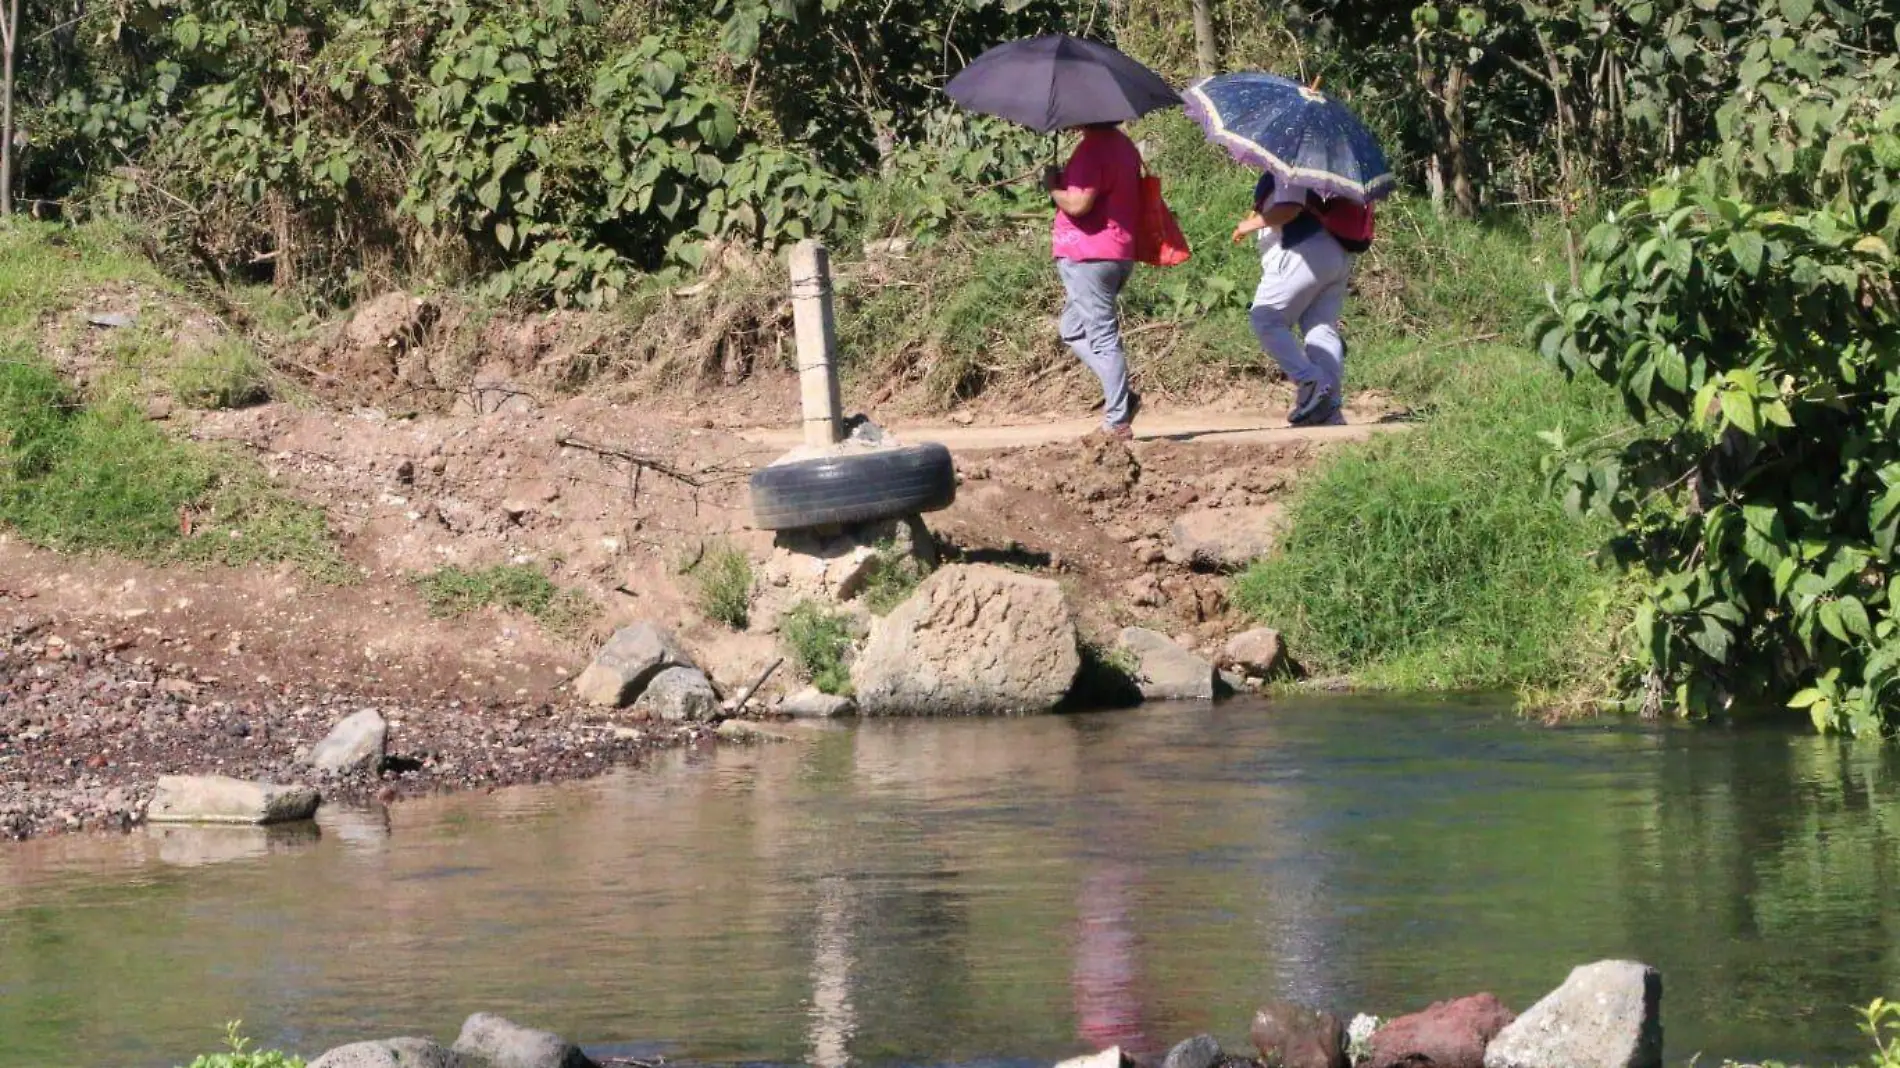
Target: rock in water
{"x": 356, "y": 741}
{"x": 500, "y": 1044}
{"x": 629, "y": 660}
{"x": 679, "y": 695}
{"x": 1294, "y": 1036}
{"x": 973, "y": 639}
{"x": 1225, "y": 539}
{"x": 218, "y": 799}
{"x": 1166, "y": 672}
{"x": 1606, "y": 1015}
{"x": 1258, "y": 652}
{"x": 1109, "y": 1058}
{"x": 810, "y": 703}
{"x": 1201, "y": 1051}
{"x": 1449, "y": 1034}
{"x": 393, "y": 1053}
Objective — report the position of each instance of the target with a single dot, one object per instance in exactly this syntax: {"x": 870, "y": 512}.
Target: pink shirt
{"x": 1107, "y": 162}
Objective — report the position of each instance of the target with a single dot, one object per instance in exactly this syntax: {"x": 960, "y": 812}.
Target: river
{"x": 928, "y": 893}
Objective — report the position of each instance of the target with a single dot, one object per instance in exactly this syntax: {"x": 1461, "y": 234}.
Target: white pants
{"x": 1304, "y": 286}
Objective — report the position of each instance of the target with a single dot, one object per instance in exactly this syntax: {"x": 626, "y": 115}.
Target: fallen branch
{"x": 738, "y": 703}
{"x": 645, "y": 462}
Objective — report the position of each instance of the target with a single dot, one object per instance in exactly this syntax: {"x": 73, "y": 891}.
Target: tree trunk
{"x": 1206, "y": 49}
{"x": 9, "y": 36}
{"x": 1464, "y": 193}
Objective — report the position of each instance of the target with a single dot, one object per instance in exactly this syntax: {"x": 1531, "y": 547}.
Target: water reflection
{"x": 960, "y": 892}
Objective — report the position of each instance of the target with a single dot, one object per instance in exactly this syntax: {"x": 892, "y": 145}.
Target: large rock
{"x": 357, "y": 741}
{"x": 1201, "y": 1051}
{"x": 630, "y": 659}
{"x": 973, "y": 639}
{"x": 1225, "y": 539}
{"x": 679, "y": 695}
{"x": 812, "y": 703}
{"x": 1258, "y": 653}
{"x": 501, "y": 1044}
{"x": 1449, "y": 1034}
{"x": 394, "y": 1053}
{"x": 1294, "y": 1036}
{"x": 218, "y": 799}
{"x": 1606, "y": 1015}
{"x": 1166, "y": 672}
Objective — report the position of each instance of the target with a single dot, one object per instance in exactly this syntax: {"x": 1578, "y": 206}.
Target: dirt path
{"x": 1222, "y": 428}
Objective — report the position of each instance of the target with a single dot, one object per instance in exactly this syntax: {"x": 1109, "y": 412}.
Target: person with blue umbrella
{"x": 1321, "y": 171}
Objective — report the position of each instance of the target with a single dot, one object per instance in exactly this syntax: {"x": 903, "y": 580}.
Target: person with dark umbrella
{"x": 1061, "y": 82}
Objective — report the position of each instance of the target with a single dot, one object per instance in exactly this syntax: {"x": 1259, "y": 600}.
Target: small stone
{"x": 745, "y": 730}
{"x": 1143, "y": 591}
{"x": 1225, "y": 539}
{"x": 1201, "y": 1051}
{"x": 358, "y": 741}
{"x": 1258, "y": 652}
{"x": 1166, "y": 672}
{"x": 501, "y": 1044}
{"x": 811, "y": 703}
{"x": 1112, "y": 1057}
{"x": 1449, "y": 1034}
{"x": 1294, "y": 1036}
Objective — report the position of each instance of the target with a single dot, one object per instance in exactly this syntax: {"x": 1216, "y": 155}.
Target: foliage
{"x": 722, "y": 585}
{"x": 227, "y": 375}
{"x": 819, "y": 640}
{"x": 1760, "y": 347}
{"x": 239, "y": 1054}
{"x": 457, "y": 591}
{"x": 1880, "y": 1022}
{"x": 895, "y": 575}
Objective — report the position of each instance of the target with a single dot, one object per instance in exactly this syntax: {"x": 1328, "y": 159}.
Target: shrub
{"x": 239, "y": 1054}
{"x": 456, "y": 591}
{"x": 722, "y": 585}
{"x": 819, "y": 640}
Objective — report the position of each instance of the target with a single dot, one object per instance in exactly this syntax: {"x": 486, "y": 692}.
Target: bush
{"x": 456, "y": 591}
{"x": 819, "y": 641}
{"x": 722, "y": 585}
{"x": 239, "y": 1054}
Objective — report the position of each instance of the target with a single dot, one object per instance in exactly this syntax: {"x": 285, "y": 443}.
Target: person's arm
{"x": 1076, "y": 188}
{"x": 1271, "y": 213}
{"x": 1074, "y": 203}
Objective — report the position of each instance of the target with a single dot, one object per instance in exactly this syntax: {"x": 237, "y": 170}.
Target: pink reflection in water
{"x": 1107, "y": 999}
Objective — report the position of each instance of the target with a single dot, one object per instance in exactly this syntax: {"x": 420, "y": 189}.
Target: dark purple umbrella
{"x": 1057, "y": 81}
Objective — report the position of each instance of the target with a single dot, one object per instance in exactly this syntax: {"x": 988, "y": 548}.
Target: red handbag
{"x": 1159, "y": 241}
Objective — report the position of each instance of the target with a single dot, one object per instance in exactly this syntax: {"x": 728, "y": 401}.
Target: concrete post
{"x": 817, "y": 344}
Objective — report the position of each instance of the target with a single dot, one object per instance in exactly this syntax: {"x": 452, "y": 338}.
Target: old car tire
{"x": 854, "y": 488}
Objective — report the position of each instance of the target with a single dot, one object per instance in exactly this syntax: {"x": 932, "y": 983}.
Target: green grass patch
{"x": 819, "y": 641}
{"x": 1439, "y": 559}
{"x": 722, "y": 585}
{"x": 457, "y": 591}
{"x": 99, "y": 477}
{"x": 228, "y": 375}
{"x": 895, "y": 575}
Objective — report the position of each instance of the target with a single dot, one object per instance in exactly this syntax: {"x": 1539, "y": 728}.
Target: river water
{"x": 926, "y": 893}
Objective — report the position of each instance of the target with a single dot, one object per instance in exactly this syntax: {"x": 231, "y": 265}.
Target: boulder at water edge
{"x": 1294, "y": 1036}
{"x": 1258, "y": 653}
{"x": 679, "y": 695}
{"x": 811, "y": 703}
{"x": 973, "y": 639}
{"x": 629, "y": 660}
{"x": 1201, "y": 1051}
{"x": 501, "y": 1044}
{"x": 1166, "y": 672}
{"x": 394, "y": 1053}
{"x": 1449, "y": 1034}
{"x": 358, "y": 741}
{"x": 218, "y": 799}
{"x": 1606, "y": 1015}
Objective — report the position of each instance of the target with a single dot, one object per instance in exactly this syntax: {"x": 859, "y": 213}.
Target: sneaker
{"x": 1125, "y": 430}
{"x": 1312, "y": 404}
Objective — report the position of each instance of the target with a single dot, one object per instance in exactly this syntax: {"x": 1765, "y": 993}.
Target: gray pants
{"x": 1305, "y": 287}
{"x": 1091, "y": 326}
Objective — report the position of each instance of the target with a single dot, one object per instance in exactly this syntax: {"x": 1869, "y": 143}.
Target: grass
{"x": 456, "y": 591}
{"x": 819, "y": 641}
{"x": 895, "y": 575}
{"x": 228, "y": 375}
{"x": 722, "y": 585}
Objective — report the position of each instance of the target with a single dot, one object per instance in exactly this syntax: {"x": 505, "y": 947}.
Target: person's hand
{"x": 1252, "y": 224}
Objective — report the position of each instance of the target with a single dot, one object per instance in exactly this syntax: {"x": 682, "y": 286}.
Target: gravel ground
{"x": 88, "y": 724}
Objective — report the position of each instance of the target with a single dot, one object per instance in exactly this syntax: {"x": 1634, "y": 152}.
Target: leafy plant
{"x": 895, "y": 575}
{"x": 1760, "y": 347}
{"x": 722, "y": 585}
{"x": 819, "y": 640}
{"x": 239, "y": 1054}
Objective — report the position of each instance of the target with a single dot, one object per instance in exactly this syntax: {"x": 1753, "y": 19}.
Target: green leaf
{"x": 1673, "y": 369}
{"x": 1739, "y": 408}
{"x": 505, "y": 235}
{"x": 1805, "y": 699}
{"x": 1853, "y": 616}
{"x": 1749, "y": 250}
{"x": 1797, "y": 11}
{"x": 1830, "y": 616}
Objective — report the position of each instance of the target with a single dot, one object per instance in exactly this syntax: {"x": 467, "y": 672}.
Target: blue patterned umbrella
{"x": 1300, "y": 134}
